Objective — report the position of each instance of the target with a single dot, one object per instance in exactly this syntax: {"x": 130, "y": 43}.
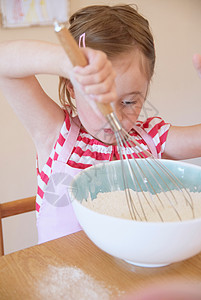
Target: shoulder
{"x": 64, "y": 130}
{"x": 158, "y": 130}
{"x": 154, "y": 126}
{"x": 54, "y": 142}
{"x": 67, "y": 122}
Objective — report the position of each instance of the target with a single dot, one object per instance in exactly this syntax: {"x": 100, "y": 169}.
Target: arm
{"x": 20, "y": 61}
{"x": 185, "y": 142}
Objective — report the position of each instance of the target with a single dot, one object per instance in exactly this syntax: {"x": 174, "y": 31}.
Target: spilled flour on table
{"x": 162, "y": 204}
{"x": 73, "y": 284}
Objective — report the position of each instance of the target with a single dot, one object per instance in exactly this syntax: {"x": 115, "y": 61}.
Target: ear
{"x": 70, "y": 89}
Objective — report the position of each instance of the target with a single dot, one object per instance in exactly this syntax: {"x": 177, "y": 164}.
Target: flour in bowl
{"x": 115, "y": 204}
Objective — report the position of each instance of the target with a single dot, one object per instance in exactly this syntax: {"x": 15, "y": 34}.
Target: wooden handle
{"x": 77, "y": 58}
{"x": 71, "y": 48}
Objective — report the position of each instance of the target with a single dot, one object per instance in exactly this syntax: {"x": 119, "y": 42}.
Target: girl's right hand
{"x": 97, "y": 79}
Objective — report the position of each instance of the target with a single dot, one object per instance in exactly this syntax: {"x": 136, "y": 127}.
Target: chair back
{"x": 13, "y": 208}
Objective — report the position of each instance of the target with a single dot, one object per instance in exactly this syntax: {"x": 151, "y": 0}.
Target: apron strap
{"x": 70, "y": 141}
{"x": 148, "y": 139}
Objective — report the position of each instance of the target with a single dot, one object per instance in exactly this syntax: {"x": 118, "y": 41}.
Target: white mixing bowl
{"x": 147, "y": 244}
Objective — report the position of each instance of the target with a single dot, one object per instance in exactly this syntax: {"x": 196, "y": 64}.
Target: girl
{"x": 121, "y": 57}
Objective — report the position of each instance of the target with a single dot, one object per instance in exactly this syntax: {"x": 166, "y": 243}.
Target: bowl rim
{"x": 99, "y": 165}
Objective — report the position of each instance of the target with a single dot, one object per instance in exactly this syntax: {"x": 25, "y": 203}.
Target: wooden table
{"x": 72, "y": 267}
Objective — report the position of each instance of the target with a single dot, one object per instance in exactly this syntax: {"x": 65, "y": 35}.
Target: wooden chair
{"x": 13, "y": 208}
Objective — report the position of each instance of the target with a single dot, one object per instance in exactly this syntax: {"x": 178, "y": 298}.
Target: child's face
{"x": 131, "y": 85}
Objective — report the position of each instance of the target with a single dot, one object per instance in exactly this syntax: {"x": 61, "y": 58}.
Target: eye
{"x": 129, "y": 102}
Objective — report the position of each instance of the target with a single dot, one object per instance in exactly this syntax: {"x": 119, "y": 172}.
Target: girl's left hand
{"x": 197, "y": 63}
{"x": 176, "y": 290}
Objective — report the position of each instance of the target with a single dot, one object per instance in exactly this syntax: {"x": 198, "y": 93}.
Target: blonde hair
{"x": 114, "y": 30}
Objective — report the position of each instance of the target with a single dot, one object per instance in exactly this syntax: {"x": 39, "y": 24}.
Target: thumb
{"x": 197, "y": 63}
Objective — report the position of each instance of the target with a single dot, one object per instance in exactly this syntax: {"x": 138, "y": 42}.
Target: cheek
{"x": 130, "y": 116}
{"x": 138, "y": 109}
{"x": 92, "y": 122}
{"x": 132, "y": 112}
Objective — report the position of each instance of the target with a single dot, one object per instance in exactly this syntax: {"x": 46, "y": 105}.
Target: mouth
{"x": 108, "y": 131}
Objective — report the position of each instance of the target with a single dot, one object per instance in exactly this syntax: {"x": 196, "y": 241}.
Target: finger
{"x": 171, "y": 291}
{"x": 96, "y": 61}
{"x": 197, "y": 63}
{"x": 98, "y": 77}
{"x": 100, "y": 88}
{"x": 109, "y": 97}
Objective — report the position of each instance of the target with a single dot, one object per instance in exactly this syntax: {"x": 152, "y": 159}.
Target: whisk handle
{"x": 77, "y": 58}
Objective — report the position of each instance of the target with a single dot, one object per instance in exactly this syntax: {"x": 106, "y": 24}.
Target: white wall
{"x": 17, "y": 153}
{"x": 175, "y": 94}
